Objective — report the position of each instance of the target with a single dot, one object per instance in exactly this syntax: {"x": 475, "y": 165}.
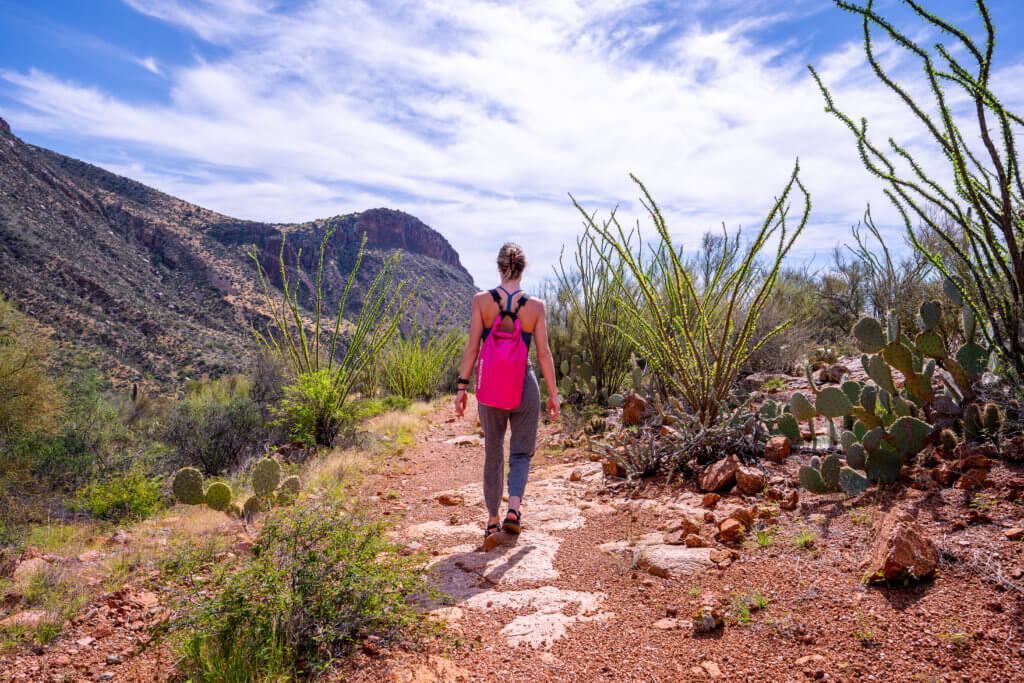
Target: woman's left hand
{"x": 460, "y": 402}
{"x": 553, "y": 407}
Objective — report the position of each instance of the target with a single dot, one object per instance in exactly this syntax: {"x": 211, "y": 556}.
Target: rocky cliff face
{"x": 155, "y": 289}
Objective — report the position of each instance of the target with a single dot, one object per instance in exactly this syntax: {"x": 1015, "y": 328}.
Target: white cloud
{"x": 149, "y": 64}
{"x": 480, "y": 117}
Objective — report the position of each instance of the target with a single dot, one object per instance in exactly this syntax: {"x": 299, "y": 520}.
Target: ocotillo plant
{"x": 983, "y": 207}
{"x": 697, "y": 336}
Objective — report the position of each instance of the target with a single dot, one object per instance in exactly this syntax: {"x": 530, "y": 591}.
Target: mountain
{"x": 155, "y": 290}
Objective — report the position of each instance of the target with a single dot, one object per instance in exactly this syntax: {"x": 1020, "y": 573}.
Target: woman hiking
{"x": 504, "y": 322}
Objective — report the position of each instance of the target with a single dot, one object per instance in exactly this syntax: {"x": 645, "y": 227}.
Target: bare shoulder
{"x": 535, "y": 305}
{"x": 481, "y": 297}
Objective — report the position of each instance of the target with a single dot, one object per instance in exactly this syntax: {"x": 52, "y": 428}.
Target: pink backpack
{"x": 503, "y": 357}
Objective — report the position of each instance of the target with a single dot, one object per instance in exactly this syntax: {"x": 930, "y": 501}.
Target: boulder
{"x": 742, "y": 515}
{"x": 720, "y": 475}
{"x": 730, "y": 529}
{"x": 790, "y": 501}
{"x": 613, "y": 469}
{"x": 450, "y": 498}
{"x": 900, "y": 549}
{"x": 710, "y": 500}
{"x": 1014, "y": 534}
{"x": 707, "y": 618}
{"x": 30, "y": 619}
{"x": 634, "y": 410}
{"x": 695, "y": 541}
{"x": 749, "y": 480}
{"x": 777, "y": 449}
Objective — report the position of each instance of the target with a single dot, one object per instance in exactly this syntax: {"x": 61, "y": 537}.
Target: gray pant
{"x": 521, "y": 445}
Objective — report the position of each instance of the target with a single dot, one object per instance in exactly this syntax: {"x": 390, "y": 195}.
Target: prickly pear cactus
{"x": 218, "y": 496}
{"x": 265, "y": 477}
{"x": 291, "y": 484}
{"x": 187, "y": 486}
{"x": 252, "y": 507}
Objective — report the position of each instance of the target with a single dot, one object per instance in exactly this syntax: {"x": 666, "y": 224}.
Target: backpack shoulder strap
{"x": 495, "y": 296}
{"x": 522, "y": 300}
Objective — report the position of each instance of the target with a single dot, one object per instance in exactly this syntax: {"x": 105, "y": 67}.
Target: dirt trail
{"x": 592, "y": 591}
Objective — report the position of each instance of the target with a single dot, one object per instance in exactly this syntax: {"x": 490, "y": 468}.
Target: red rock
{"x": 945, "y": 475}
{"x": 730, "y": 529}
{"x": 709, "y": 517}
{"x": 451, "y": 498}
{"x": 1013, "y": 449}
{"x": 695, "y": 541}
{"x": 900, "y": 549}
{"x": 772, "y": 493}
{"x": 778, "y": 449}
{"x": 667, "y": 624}
{"x": 720, "y": 475}
{"x": 790, "y": 501}
{"x": 750, "y": 480}
{"x": 742, "y": 515}
{"x": 613, "y": 469}
{"x": 710, "y": 500}
{"x": 29, "y": 619}
{"x": 1014, "y": 534}
{"x": 684, "y": 524}
{"x": 973, "y": 479}
{"x": 576, "y": 476}
{"x": 633, "y": 410}
{"x": 707, "y": 618}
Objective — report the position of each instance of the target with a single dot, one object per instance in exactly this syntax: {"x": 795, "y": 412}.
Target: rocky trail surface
{"x": 649, "y": 582}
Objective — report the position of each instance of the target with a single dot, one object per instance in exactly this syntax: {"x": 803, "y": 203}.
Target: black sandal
{"x": 488, "y": 531}
{"x": 513, "y": 526}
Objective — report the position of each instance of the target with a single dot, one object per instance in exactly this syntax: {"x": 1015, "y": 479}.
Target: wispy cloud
{"x": 480, "y": 117}
{"x": 149, "y": 64}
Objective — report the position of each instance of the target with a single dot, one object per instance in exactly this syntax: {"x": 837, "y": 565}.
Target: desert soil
{"x": 591, "y": 590}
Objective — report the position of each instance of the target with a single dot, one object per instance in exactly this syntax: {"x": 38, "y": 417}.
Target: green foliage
{"x": 696, "y": 335}
{"x": 589, "y": 291}
{"x": 419, "y": 364}
{"x": 214, "y": 430}
{"x": 187, "y": 486}
{"x": 291, "y": 484}
{"x": 321, "y": 581}
{"x": 130, "y": 495}
{"x": 30, "y": 401}
{"x": 265, "y": 477}
{"x": 324, "y": 375}
{"x": 251, "y": 507}
{"x": 978, "y": 219}
{"x": 218, "y": 496}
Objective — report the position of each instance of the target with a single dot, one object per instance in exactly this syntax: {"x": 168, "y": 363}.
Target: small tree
{"x": 30, "y": 400}
{"x": 981, "y": 219}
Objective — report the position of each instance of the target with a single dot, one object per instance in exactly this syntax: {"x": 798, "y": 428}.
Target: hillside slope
{"x": 155, "y": 289}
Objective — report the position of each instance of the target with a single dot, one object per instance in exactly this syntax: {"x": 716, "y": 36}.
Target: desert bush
{"x": 30, "y": 400}
{"x": 321, "y": 581}
{"x": 794, "y": 298}
{"x": 133, "y": 494}
{"x": 416, "y": 364}
{"x": 215, "y": 429}
{"x": 979, "y": 219}
{"x": 324, "y": 376}
{"x": 696, "y": 336}
{"x": 587, "y": 290}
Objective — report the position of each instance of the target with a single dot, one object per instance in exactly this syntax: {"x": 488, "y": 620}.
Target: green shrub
{"x": 30, "y": 400}
{"x": 215, "y": 432}
{"x": 131, "y": 495}
{"x": 321, "y": 581}
{"x": 325, "y": 374}
{"x": 696, "y": 332}
{"x": 396, "y": 403}
{"x": 416, "y": 365}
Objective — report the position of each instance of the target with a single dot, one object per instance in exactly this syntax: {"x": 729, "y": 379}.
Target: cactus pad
{"x": 801, "y": 407}
{"x": 930, "y": 344}
{"x": 898, "y": 356}
{"x": 852, "y": 390}
{"x": 233, "y": 510}
{"x": 972, "y": 358}
{"x": 852, "y": 483}
{"x": 788, "y": 427}
{"x": 869, "y": 335}
{"x": 910, "y": 435}
{"x": 251, "y": 507}
{"x": 953, "y": 289}
{"x": 265, "y": 477}
{"x": 187, "y": 486}
{"x": 855, "y": 456}
{"x": 616, "y": 401}
{"x": 880, "y": 373}
{"x": 291, "y": 485}
{"x": 832, "y": 402}
{"x": 284, "y": 498}
{"x": 830, "y": 470}
{"x": 218, "y": 496}
{"x": 811, "y": 480}
{"x": 931, "y": 313}
{"x": 883, "y": 465}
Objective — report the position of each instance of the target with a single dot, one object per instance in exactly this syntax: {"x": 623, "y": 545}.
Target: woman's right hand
{"x": 553, "y": 407}
{"x": 460, "y": 402}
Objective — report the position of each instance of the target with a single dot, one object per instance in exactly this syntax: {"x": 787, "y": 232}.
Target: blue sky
{"x": 478, "y": 117}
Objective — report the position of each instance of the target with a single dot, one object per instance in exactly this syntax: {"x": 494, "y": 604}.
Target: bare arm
{"x": 547, "y": 362}
{"x": 469, "y": 354}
